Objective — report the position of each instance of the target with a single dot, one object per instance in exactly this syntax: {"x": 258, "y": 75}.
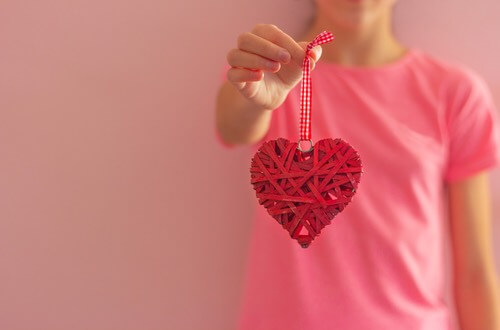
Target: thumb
{"x": 315, "y": 53}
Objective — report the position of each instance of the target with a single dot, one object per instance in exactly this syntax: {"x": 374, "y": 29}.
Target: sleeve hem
{"x": 462, "y": 173}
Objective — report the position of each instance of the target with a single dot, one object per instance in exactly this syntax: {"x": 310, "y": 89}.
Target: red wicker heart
{"x": 304, "y": 191}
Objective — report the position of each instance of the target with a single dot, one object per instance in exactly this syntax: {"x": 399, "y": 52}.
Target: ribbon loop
{"x": 306, "y": 86}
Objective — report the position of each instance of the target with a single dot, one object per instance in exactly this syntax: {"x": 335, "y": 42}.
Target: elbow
{"x": 477, "y": 276}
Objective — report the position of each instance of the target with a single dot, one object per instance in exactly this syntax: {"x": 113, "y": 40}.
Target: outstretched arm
{"x": 476, "y": 288}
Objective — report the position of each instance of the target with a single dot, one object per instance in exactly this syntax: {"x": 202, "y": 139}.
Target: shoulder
{"x": 458, "y": 84}
{"x": 454, "y": 78}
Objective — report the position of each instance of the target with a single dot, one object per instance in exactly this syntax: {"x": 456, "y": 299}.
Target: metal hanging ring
{"x": 310, "y": 145}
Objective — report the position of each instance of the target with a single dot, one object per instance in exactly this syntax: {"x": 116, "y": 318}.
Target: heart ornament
{"x": 303, "y": 190}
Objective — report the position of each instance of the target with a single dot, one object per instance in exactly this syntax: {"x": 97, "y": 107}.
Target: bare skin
{"x": 476, "y": 288}
{"x": 363, "y": 38}
{"x": 266, "y": 65}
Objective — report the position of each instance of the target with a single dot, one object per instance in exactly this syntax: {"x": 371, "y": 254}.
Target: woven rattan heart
{"x": 304, "y": 191}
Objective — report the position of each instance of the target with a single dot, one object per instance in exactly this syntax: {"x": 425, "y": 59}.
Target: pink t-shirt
{"x": 417, "y": 123}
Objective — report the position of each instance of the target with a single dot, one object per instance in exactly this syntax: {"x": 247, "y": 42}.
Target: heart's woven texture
{"x": 304, "y": 191}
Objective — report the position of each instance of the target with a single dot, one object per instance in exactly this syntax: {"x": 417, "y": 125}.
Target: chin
{"x": 353, "y": 14}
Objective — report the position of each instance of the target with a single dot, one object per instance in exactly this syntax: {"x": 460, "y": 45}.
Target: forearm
{"x": 476, "y": 287}
{"x": 477, "y": 300}
{"x": 238, "y": 120}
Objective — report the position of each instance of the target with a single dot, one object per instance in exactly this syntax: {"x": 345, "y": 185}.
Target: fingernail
{"x": 272, "y": 65}
{"x": 283, "y": 55}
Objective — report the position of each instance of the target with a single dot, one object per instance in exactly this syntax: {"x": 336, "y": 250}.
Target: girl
{"x": 427, "y": 133}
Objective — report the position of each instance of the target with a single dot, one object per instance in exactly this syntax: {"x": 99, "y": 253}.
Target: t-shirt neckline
{"x": 406, "y": 58}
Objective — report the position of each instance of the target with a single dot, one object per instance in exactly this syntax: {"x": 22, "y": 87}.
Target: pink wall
{"x": 117, "y": 208}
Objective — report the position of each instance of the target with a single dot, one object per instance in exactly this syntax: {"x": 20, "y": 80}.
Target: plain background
{"x": 118, "y": 209}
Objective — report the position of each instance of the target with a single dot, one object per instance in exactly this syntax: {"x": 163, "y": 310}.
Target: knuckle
{"x": 230, "y": 56}
{"x": 262, "y": 27}
{"x": 262, "y": 63}
{"x": 268, "y": 49}
{"x": 243, "y": 39}
{"x": 230, "y": 74}
{"x": 259, "y": 27}
{"x": 274, "y": 34}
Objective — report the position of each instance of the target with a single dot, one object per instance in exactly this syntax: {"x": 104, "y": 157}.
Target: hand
{"x": 267, "y": 64}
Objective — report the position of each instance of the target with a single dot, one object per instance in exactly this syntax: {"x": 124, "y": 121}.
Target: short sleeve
{"x": 472, "y": 125}
{"x": 222, "y": 78}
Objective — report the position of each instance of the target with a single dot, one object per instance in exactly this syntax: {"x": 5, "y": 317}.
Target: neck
{"x": 371, "y": 45}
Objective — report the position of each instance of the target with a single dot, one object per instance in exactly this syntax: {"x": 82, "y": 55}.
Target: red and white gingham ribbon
{"x": 306, "y": 87}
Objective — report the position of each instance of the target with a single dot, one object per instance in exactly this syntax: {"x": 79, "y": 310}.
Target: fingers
{"x": 273, "y": 34}
{"x": 239, "y": 58}
{"x": 252, "y": 43}
{"x": 239, "y": 75}
{"x": 266, "y": 49}
{"x": 315, "y": 53}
